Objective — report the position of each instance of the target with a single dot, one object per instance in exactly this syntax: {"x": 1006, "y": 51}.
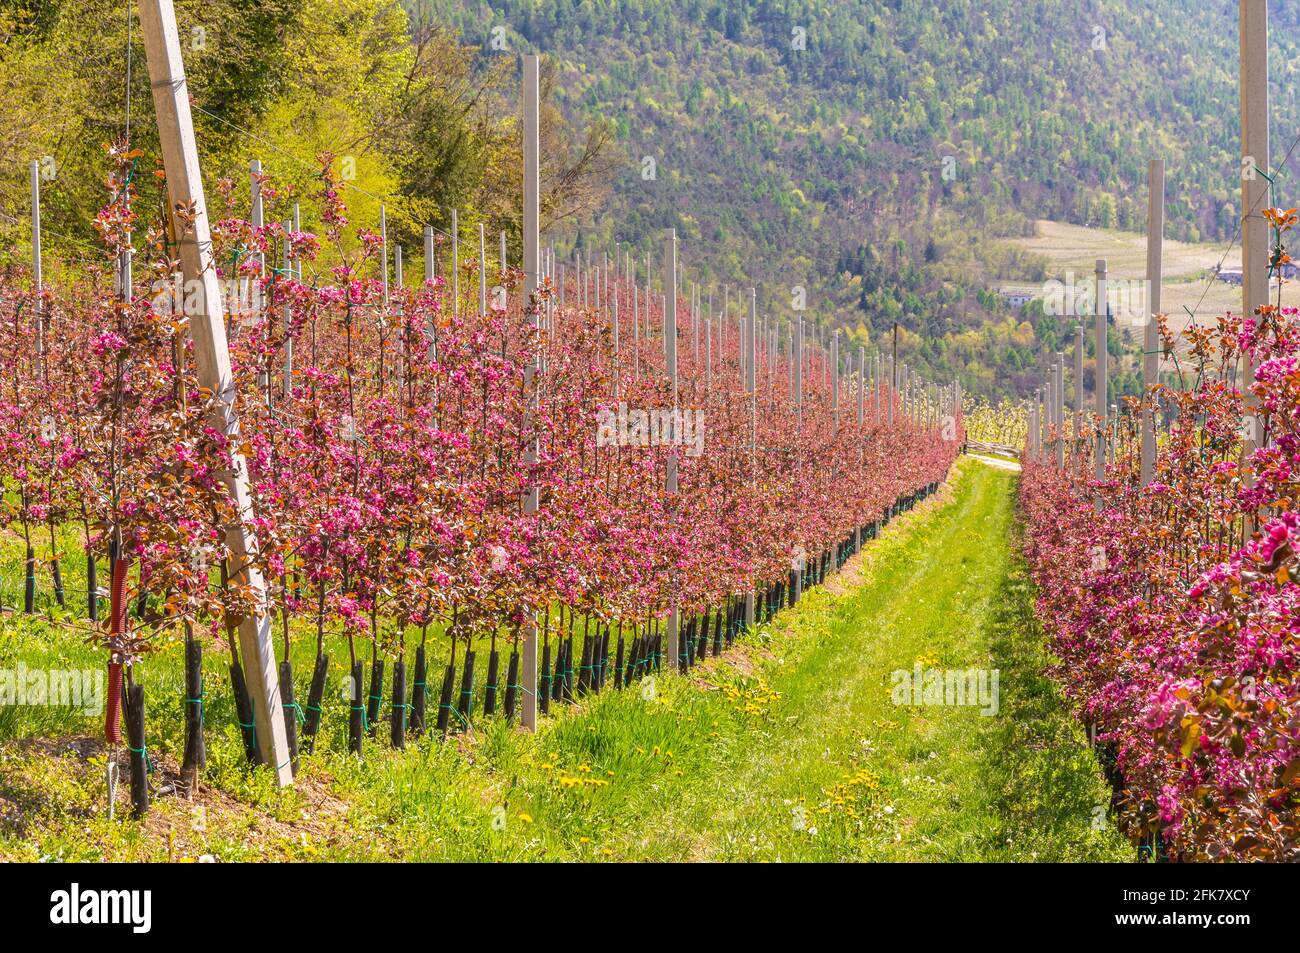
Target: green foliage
{"x": 420, "y": 121}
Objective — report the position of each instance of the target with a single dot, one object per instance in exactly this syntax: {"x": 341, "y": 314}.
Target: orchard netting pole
{"x": 1101, "y": 384}
{"x": 1047, "y": 411}
{"x": 798, "y": 367}
{"x": 294, "y": 264}
{"x": 1042, "y": 422}
{"x": 1150, "y": 342}
{"x": 1254, "y": 199}
{"x": 1078, "y": 390}
{"x": 613, "y": 307}
{"x": 796, "y": 574}
{"x": 383, "y": 254}
{"x": 455, "y": 261}
{"x": 877, "y": 366}
{"x": 531, "y": 216}
{"x": 893, "y": 377}
{"x": 185, "y": 188}
{"x": 862, "y": 384}
{"x": 862, "y": 450}
{"x": 670, "y": 357}
{"x": 708, "y": 358}
{"x": 37, "y": 277}
{"x": 1058, "y": 410}
{"x": 257, "y": 220}
{"x": 751, "y": 384}
{"x": 482, "y": 270}
{"x": 835, "y": 377}
{"x": 901, "y": 387}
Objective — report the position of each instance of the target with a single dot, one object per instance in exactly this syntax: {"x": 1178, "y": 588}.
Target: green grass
{"x": 788, "y": 749}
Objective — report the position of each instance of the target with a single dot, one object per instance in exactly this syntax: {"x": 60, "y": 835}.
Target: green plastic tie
{"x": 148, "y": 763}
{"x": 365, "y": 722}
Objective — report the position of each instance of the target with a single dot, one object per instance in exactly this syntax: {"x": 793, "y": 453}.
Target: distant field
{"x": 1078, "y": 247}
{"x": 1187, "y": 267}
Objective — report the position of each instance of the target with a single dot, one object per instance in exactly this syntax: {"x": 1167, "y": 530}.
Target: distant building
{"x": 1016, "y": 299}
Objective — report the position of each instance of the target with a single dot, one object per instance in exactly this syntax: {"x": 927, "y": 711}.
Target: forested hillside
{"x": 806, "y": 141}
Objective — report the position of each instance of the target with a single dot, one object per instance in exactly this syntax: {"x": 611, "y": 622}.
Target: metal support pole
{"x": 1150, "y": 342}
{"x": 1100, "y": 309}
{"x": 532, "y": 262}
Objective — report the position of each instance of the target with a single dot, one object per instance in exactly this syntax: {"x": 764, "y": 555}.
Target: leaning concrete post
{"x": 1150, "y": 344}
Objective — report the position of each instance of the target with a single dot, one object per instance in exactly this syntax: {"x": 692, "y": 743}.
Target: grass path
{"x": 842, "y": 773}
{"x": 790, "y": 748}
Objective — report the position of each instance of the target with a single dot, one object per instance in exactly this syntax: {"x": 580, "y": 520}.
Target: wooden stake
{"x": 185, "y": 187}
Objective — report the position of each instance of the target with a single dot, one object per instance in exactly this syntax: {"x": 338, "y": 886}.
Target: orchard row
{"x": 386, "y": 429}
